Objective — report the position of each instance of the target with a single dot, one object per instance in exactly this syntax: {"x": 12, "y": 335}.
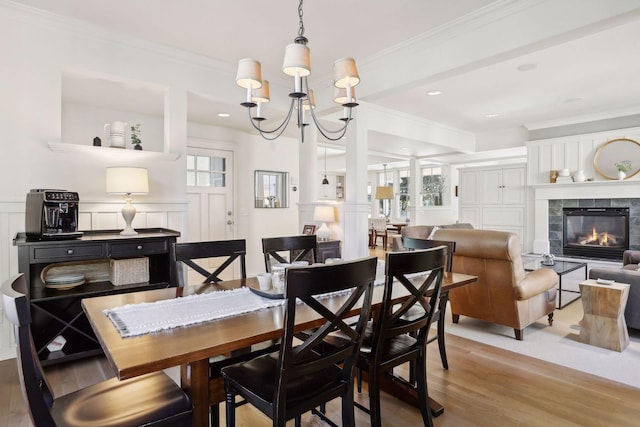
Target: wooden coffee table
{"x": 603, "y": 324}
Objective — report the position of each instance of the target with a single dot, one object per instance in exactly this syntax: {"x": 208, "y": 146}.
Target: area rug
{"x": 558, "y": 344}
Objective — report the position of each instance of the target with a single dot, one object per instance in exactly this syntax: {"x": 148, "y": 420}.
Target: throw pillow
{"x": 433, "y": 231}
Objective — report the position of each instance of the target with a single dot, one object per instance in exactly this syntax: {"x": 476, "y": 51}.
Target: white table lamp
{"x": 324, "y": 214}
{"x": 127, "y": 180}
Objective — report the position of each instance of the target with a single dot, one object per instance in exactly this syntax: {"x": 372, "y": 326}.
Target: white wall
{"x": 37, "y": 50}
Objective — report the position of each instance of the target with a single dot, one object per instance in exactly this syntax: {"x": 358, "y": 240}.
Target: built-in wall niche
{"x": 90, "y": 101}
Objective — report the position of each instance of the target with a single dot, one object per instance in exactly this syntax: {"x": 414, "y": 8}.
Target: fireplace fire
{"x": 595, "y": 232}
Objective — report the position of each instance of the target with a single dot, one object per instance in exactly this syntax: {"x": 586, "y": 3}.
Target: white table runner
{"x": 148, "y": 317}
{"x": 143, "y": 318}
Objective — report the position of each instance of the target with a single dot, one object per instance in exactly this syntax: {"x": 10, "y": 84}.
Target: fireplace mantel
{"x": 574, "y": 190}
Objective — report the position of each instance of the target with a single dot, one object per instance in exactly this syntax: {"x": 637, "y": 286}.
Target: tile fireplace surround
{"x": 549, "y": 199}
{"x": 556, "y": 223}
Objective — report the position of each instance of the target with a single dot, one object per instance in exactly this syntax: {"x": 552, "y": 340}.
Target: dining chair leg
{"x": 348, "y": 415}
{"x": 441, "y": 344}
{"x": 215, "y": 415}
{"x": 231, "y": 408}
{"x": 298, "y": 421}
{"x": 423, "y": 394}
{"x": 359, "y": 379}
{"x": 374, "y": 399}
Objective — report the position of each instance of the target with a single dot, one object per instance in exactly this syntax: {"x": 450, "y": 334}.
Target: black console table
{"x": 328, "y": 249}
{"x": 58, "y": 312}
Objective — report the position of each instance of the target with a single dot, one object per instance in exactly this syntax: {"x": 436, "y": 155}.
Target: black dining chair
{"x": 300, "y": 248}
{"x": 232, "y": 250}
{"x": 411, "y": 243}
{"x": 188, "y": 253}
{"x": 299, "y": 378}
{"x": 392, "y": 340}
{"x": 148, "y": 400}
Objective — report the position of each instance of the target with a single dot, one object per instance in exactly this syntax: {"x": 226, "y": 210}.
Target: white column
{"x": 415, "y": 187}
{"x": 355, "y": 226}
{"x": 175, "y": 121}
{"x": 307, "y": 179}
{"x": 308, "y": 168}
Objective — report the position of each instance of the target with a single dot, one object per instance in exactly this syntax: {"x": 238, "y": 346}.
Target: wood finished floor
{"x": 485, "y": 386}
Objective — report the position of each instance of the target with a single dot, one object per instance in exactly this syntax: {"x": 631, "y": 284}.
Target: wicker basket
{"x": 128, "y": 271}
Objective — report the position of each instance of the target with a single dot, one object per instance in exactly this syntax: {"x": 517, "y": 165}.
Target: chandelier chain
{"x": 301, "y": 24}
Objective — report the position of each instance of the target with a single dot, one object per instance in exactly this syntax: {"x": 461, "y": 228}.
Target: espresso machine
{"x": 52, "y": 214}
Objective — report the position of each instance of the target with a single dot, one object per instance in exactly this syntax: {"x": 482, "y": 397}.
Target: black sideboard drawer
{"x": 149, "y": 247}
{"x": 67, "y": 253}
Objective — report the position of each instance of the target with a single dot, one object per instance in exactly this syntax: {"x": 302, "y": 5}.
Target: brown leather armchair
{"x": 504, "y": 293}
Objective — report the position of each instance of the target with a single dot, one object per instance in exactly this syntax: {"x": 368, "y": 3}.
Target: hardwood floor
{"x": 485, "y": 386}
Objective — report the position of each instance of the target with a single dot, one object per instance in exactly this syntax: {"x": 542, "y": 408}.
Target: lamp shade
{"x": 324, "y": 214}
{"x": 297, "y": 60}
{"x": 345, "y": 73}
{"x": 384, "y": 193}
{"x": 127, "y": 180}
{"x": 262, "y": 94}
{"x": 249, "y": 73}
{"x": 310, "y": 102}
{"x": 340, "y": 95}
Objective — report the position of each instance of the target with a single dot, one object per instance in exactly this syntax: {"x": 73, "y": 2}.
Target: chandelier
{"x": 297, "y": 64}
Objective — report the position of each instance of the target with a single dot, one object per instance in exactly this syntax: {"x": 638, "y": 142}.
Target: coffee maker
{"x": 52, "y": 214}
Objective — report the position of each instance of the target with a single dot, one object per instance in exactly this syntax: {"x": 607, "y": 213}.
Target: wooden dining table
{"x": 190, "y": 347}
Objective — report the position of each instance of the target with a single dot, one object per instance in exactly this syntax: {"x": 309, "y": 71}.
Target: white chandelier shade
{"x": 297, "y": 60}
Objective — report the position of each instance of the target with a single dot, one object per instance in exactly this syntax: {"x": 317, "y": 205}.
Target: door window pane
{"x": 204, "y": 171}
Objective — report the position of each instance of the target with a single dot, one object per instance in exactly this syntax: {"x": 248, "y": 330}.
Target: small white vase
{"x": 621, "y": 175}
{"x": 579, "y": 176}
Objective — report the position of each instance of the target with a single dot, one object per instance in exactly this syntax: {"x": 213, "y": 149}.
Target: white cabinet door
{"x": 469, "y": 188}
{"x": 491, "y": 187}
{"x": 513, "y": 186}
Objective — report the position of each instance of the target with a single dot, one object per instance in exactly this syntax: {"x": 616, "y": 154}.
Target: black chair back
{"x": 398, "y": 335}
{"x": 299, "y": 247}
{"x": 413, "y": 243}
{"x": 187, "y": 253}
{"x": 306, "y": 378}
{"x": 423, "y": 290}
{"x": 35, "y": 389}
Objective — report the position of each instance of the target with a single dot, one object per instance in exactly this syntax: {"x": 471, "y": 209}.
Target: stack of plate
{"x": 64, "y": 281}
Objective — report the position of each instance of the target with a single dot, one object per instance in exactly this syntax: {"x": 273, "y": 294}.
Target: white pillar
{"x": 415, "y": 188}
{"x": 307, "y": 179}
{"x": 355, "y": 242}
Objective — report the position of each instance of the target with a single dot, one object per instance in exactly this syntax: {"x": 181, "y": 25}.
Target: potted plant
{"x": 135, "y": 137}
{"x": 623, "y": 167}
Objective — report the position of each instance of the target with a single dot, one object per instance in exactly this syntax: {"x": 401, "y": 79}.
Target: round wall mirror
{"x": 614, "y": 152}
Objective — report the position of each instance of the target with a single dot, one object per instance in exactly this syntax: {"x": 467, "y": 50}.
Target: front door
{"x": 210, "y": 194}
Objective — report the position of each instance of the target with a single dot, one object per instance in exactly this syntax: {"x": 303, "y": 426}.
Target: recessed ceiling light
{"x": 225, "y": 115}
{"x": 527, "y": 67}
{"x": 404, "y": 148}
{"x": 490, "y": 115}
{"x": 434, "y": 92}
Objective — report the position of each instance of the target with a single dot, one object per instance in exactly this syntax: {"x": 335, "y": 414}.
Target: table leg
{"x": 560, "y": 290}
{"x": 195, "y": 381}
{"x": 401, "y": 390}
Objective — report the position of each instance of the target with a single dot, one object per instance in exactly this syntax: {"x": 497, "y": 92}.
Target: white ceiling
{"x": 591, "y": 69}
